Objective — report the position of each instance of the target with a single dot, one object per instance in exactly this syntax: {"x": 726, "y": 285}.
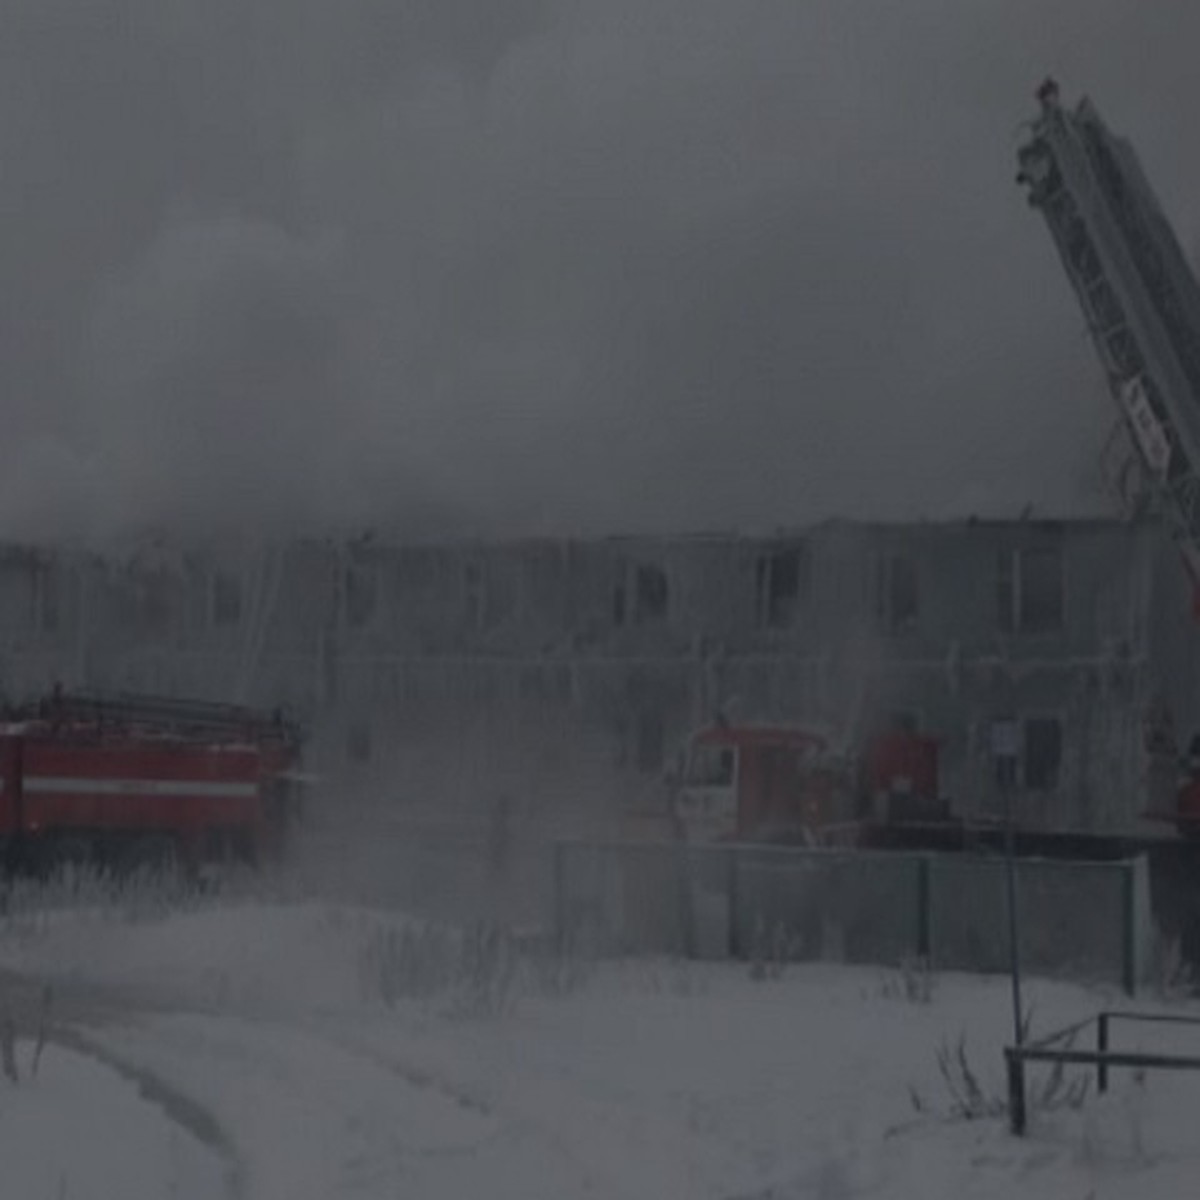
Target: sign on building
{"x": 1006, "y": 739}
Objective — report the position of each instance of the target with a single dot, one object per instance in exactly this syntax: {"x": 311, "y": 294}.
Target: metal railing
{"x": 1051, "y": 1049}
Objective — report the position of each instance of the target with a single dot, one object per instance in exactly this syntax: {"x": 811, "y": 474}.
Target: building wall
{"x": 573, "y": 667}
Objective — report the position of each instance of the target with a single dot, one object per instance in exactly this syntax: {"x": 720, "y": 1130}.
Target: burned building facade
{"x": 571, "y": 669}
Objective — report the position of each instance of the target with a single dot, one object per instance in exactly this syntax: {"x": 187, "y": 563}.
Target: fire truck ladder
{"x": 1138, "y": 297}
{"x": 187, "y": 718}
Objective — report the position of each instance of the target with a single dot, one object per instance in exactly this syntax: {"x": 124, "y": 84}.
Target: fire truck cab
{"x": 780, "y": 783}
{"x": 762, "y": 783}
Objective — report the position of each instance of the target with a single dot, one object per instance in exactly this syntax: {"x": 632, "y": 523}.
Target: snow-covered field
{"x": 296, "y": 1050}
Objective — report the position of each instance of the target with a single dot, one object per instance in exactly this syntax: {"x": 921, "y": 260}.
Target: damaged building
{"x": 571, "y": 669}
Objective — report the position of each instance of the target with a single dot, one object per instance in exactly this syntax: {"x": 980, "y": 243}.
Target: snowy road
{"x": 263, "y": 1040}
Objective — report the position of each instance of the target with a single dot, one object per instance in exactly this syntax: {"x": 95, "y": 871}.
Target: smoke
{"x": 505, "y": 266}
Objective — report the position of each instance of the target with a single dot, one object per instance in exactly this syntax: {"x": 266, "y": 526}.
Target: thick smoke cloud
{"x": 501, "y": 266}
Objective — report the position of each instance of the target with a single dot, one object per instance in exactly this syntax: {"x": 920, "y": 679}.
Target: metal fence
{"x": 1059, "y": 1048}
{"x": 1080, "y": 920}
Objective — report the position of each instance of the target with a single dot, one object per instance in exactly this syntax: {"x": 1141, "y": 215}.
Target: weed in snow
{"x": 912, "y": 982}
{"x": 477, "y": 970}
{"x": 971, "y": 1099}
{"x": 671, "y": 977}
{"x": 770, "y": 950}
{"x": 1174, "y": 977}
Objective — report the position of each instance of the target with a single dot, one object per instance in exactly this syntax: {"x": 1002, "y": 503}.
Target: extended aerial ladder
{"x": 1139, "y": 298}
{"x": 1141, "y": 302}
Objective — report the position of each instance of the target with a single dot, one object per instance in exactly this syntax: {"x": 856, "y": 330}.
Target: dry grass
{"x": 480, "y": 969}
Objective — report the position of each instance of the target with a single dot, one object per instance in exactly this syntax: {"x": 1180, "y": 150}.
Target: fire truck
{"x": 131, "y": 781}
{"x": 801, "y": 784}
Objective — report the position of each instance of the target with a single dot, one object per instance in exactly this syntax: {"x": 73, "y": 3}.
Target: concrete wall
{"x": 520, "y": 660}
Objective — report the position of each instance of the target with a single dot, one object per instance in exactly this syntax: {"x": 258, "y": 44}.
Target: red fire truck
{"x": 791, "y": 783}
{"x": 134, "y": 780}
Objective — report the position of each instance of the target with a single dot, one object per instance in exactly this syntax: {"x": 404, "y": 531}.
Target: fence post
{"x": 560, "y": 897}
{"x": 1016, "y": 1090}
{"x": 732, "y": 883}
{"x": 1129, "y": 929}
{"x": 924, "y": 911}
{"x": 683, "y": 861}
{"x": 1102, "y": 1049}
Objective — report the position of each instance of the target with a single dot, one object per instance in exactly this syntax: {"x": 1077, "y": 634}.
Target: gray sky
{"x": 524, "y": 265}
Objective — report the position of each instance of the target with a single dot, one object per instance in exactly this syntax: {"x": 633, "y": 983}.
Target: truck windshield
{"x": 711, "y": 765}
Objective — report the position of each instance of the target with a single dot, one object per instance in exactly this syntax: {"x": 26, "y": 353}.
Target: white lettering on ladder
{"x": 1151, "y": 437}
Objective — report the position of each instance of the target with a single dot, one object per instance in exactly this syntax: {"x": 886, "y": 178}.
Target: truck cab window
{"x": 711, "y": 766}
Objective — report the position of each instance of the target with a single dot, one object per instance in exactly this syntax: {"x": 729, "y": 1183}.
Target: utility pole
{"x": 1005, "y": 750}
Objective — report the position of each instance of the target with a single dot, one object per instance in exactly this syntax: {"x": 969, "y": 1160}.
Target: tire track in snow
{"x": 38, "y": 1007}
{"x": 175, "y": 1105}
{"x": 311, "y": 1118}
{"x": 123, "y": 1023}
{"x": 573, "y": 1127}
{"x": 608, "y": 1151}
{"x": 620, "y": 1154}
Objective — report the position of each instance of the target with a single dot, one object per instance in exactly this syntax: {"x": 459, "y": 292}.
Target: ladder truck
{"x": 125, "y": 781}
{"x": 1141, "y": 303}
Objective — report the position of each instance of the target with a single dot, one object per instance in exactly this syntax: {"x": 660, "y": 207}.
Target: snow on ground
{"x": 636, "y": 1079}
{"x": 229, "y": 956}
{"x": 78, "y": 1129}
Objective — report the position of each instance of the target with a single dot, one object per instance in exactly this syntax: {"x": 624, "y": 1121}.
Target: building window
{"x": 1042, "y": 753}
{"x": 1029, "y": 589}
{"x": 358, "y": 742}
{"x": 474, "y": 596}
{"x": 904, "y": 721}
{"x": 226, "y": 599}
{"x": 641, "y": 594}
{"x": 781, "y": 585}
{"x": 359, "y": 585}
{"x": 47, "y": 606}
{"x": 651, "y": 593}
{"x": 896, "y": 593}
{"x": 651, "y": 738}
{"x": 618, "y": 604}
{"x": 154, "y": 602}
{"x": 711, "y": 766}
